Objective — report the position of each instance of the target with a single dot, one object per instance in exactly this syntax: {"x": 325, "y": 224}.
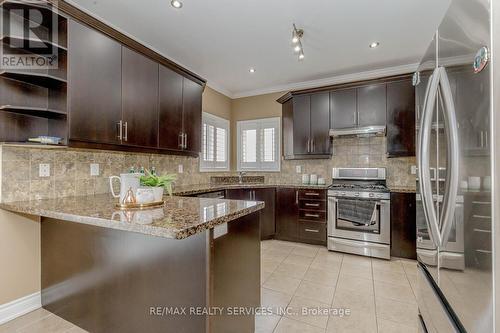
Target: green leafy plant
{"x": 164, "y": 181}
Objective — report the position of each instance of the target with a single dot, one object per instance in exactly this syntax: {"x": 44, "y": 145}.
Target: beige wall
{"x": 216, "y": 103}
{"x": 254, "y": 107}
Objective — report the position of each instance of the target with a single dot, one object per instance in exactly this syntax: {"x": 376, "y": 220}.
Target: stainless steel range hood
{"x": 359, "y": 131}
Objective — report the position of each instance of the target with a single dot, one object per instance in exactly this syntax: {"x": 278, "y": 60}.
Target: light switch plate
{"x": 44, "y": 170}
{"x": 298, "y": 168}
{"x": 180, "y": 169}
{"x": 94, "y": 169}
{"x": 413, "y": 169}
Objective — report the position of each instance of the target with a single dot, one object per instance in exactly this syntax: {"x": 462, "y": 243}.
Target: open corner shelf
{"x": 34, "y": 111}
{"x": 38, "y": 79}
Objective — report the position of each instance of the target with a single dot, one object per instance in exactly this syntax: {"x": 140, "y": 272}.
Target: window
{"x": 214, "y": 143}
{"x": 259, "y": 144}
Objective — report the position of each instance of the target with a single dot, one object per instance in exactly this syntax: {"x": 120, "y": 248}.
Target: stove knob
{"x": 356, "y": 194}
{"x": 371, "y": 195}
{"x": 379, "y": 195}
{"x": 343, "y": 193}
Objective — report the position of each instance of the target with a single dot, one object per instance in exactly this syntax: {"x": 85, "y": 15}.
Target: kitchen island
{"x": 159, "y": 270}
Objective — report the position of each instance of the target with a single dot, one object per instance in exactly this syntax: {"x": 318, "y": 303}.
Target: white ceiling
{"x": 220, "y": 40}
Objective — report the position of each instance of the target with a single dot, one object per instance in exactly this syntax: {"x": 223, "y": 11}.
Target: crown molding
{"x": 220, "y": 89}
{"x": 367, "y": 75}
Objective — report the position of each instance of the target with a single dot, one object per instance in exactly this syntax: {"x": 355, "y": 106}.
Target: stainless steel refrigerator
{"x": 454, "y": 178}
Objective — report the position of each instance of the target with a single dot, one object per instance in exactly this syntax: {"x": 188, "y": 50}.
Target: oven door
{"x": 371, "y": 225}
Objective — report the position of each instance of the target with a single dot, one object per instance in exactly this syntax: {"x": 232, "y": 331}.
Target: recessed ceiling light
{"x": 176, "y": 4}
{"x": 374, "y": 45}
{"x": 252, "y": 70}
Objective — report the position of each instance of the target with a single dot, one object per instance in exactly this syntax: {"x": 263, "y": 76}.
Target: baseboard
{"x": 19, "y": 307}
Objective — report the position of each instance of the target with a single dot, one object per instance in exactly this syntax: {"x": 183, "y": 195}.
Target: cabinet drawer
{"x": 312, "y": 215}
{"x": 314, "y": 205}
{"x": 312, "y": 194}
{"x": 312, "y": 231}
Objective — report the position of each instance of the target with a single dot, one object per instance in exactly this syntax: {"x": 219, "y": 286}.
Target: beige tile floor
{"x": 379, "y": 294}
{"x": 296, "y": 277}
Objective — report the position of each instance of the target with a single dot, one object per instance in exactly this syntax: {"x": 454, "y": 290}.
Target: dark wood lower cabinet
{"x": 301, "y": 215}
{"x": 267, "y": 215}
{"x": 287, "y": 213}
{"x": 403, "y": 225}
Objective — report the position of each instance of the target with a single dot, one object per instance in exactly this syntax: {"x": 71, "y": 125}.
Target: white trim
{"x": 373, "y": 74}
{"x": 217, "y": 120}
{"x": 260, "y": 121}
{"x": 19, "y": 307}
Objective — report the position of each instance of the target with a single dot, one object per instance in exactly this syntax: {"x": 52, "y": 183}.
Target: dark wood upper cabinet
{"x": 371, "y": 104}
{"x": 301, "y": 124}
{"x": 139, "y": 99}
{"x": 403, "y": 225}
{"x": 191, "y": 101}
{"x": 343, "y": 108}
{"x": 95, "y": 94}
{"x": 320, "y": 123}
{"x": 287, "y": 213}
{"x": 287, "y": 128}
{"x": 400, "y": 119}
{"x": 170, "y": 109}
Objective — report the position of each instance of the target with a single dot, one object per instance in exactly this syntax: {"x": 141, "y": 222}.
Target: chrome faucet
{"x": 240, "y": 176}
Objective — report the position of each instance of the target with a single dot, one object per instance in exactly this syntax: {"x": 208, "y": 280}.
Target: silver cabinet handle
{"x": 482, "y": 139}
{"x": 308, "y": 145}
{"x": 313, "y": 146}
{"x": 424, "y": 174}
{"x": 452, "y": 172}
{"x": 181, "y": 140}
{"x": 120, "y": 130}
{"x": 296, "y": 197}
{"x": 185, "y": 140}
{"x": 311, "y": 205}
{"x": 312, "y": 193}
{"x": 311, "y": 215}
{"x": 311, "y": 230}
{"x": 354, "y": 118}
{"x": 125, "y": 136}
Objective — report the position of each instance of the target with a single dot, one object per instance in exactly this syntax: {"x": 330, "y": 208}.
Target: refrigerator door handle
{"x": 424, "y": 172}
{"x": 452, "y": 172}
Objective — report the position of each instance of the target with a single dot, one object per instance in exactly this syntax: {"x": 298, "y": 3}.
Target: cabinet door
{"x": 238, "y": 194}
{"x": 94, "y": 93}
{"x": 191, "y": 101}
{"x": 170, "y": 109}
{"x": 287, "y": 212}
{"x": 139, "y": 99}
{"x": 400, "y": 119}
{"x": 403, "y": 225}
{"x": 371, "y": 105}
{"x": 343, "y": 108}
{"x": 287, "y": 128}
{"x": 267, "y": 215}
{"x": 320, "y": 123}
{"x": 301, "y": 124}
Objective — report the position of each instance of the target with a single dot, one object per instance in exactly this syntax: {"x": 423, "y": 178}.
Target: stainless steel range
{"x": 359, "y": 219}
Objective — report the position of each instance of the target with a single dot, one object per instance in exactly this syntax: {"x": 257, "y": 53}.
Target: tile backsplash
{"x": 70, "y": 168}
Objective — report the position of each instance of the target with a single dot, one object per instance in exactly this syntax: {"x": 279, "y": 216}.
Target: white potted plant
{"x": 158, "y": 183}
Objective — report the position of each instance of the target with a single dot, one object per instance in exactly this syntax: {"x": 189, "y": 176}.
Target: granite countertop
{"x": 179, "y": 218}
{"x": 204, "y": 188}
{"x": 403, "y": 189}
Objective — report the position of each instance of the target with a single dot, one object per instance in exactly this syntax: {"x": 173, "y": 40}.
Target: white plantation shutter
{"x": 215, "y": 143}
{"x": 258, "y": 144}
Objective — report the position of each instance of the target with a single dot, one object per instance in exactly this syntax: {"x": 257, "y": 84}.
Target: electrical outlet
{"x": 180, "y": 169}
{"x": 44, "y": 170}
{"x": 413, "y": 169}
{"x": 94, "y": 169}
{"x": 298, "y": 169}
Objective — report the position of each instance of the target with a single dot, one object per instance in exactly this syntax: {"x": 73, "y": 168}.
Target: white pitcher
{"x": 127, "y": 180}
